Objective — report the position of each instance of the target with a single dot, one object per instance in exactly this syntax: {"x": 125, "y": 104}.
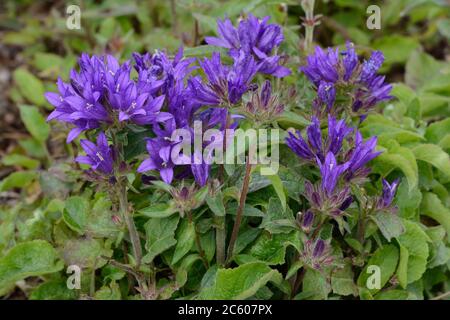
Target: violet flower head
{"x": 254, "y": 37}
{"x": 327, "y": 94}
{"x": 307, "y": 221}
{"x": 362, "y": 153}
{"x": 226, "y": 84}
{"x": 99, "y": 157}
{"x": 161, "y": 71}
{"x": 160, "y": 160}
{"x": 311, "y": 148}
{"x": 322, "y": 66}
{"x": 317, "y": 255}
{"x": 350, "y": 60}
{"x": 329, "y": 70}
{"x": 79, "y": 102}
{"x": 300, "y": 147}
{"x": 388, "y": 194}
{"x": 337, "y": 132}
{"x": 370, "y": 67}
{"x": 332, "y": 205}
{"x": 200, "y": 168}
{"x": 263, "y": 105}
{"x": 331, "y": 172}
{"x": 316, "y": 145}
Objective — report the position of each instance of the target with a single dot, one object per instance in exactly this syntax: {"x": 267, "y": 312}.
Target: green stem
{"x": 198, "y": 243}
{"x": 132, "y": 230}
{"x": 220, "y": 240}
{"x": 240, "y": 210}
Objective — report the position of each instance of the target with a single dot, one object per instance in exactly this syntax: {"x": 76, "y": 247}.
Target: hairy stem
{"x": 309, "y": 23}
{"x": 198, "y": 243}
{"x": 240, "y": 210}
{"x": 127, "y": 215}
{"x": 220, "y": 240}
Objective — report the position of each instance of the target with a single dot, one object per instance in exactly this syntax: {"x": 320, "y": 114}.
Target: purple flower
{"x": 80, "y": 101}
{"x": 337, "y": 132}
{"x": 307, "y": 221}
{"x": 361, "y": 154}
{"x": 328, "y": 70}
{"x": 330, "y": 172}
{"x": 263, "y": 106}
{"x": 370, "y": 67}
{"x": 322, "y": 66}
{"x": 200, "y": 171}
{"x": 375, "y": 91}
{"x": 317, "y": 254}
{"x": 321, "y": 202}
{"x": 300, "y": 147}
{"x": 316, "y": 145}
{"x": 160, "y": 159}
{"x": 226, "y": 84}
{"x": 327, "y": 94}
{"x": 101, "y": 91}
{"x": 158, "y": 69}
{"x": 388, "y": 193}
{"x": 311, "y": 149}
{"x": 254, "y": 37}
{"x": 350, "y": 60}
{"x": 99, "y": 156}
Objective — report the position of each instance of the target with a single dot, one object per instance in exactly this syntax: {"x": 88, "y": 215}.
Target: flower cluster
{"x": 341, "y": 156}
{"x": 253, "y": 38}
{"x": 103, "y": 93}
{"x": 317, "y": 254}
{"x": 340, "y": 74}
{"x": 167, "y": 96}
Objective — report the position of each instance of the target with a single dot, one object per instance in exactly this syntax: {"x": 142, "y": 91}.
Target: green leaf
{"x": 402, "y": 269}
{"x": 292, "y": 119}
{"x": 30, "y": 86}
{"x": 403, "y": 93}
{"x": 215, "y": 203}
{"x": 386, "y": 258}
{"x": 315, "y": 286}
{"x": 159, "y": 210}
{"x": 75, "y": 213}
{"x": 398, "y": 157}
{"x": 396, "y": 48}
{"x": 279, "y": 189}
{"x": 437, "y": 130}
{"x": 342, "y": 281}
{"x": 35, "y": 122}
{"x": 33, "y": 258}
{"x": 278, "y": 220}
{"x": 85, "y": 252}
{"x": 408, "y": 201}
{"x": 185, "y": 240}
{"x": 434, "y": 155}
{"x": 390, "y": 224}
{"x": 432, "y": 207}
{"x": 20, "y": 160}
{"x": 420, "y": 69}
{"x": 271, "y": 249}
{"x": 414, "y": 240}
{"x": 392, "y": 295}
{"x": 293, "y": 269}
{"x": 17, "y": 179}
{"x": 239, "y": 283}
{"x": 160, "y": 236}
{"x": 110, "y": 292}
{"x": 53, "y": 290}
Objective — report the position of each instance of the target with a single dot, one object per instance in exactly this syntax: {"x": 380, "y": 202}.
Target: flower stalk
{"x": 240, "y": 210}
